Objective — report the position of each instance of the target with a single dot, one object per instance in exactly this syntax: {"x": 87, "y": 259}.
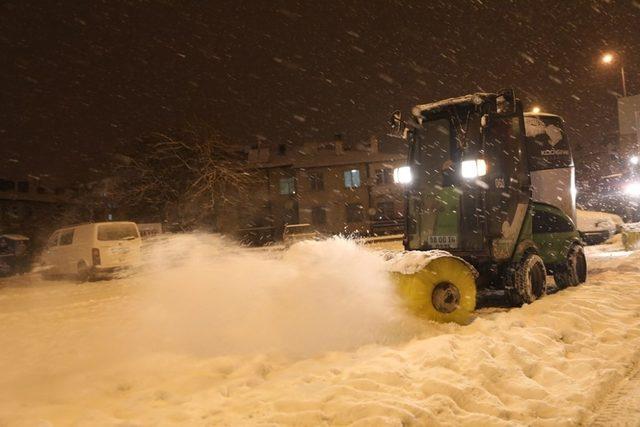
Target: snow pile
{"x": 220, "y": 336}
{"x": 317, "y": 296}
{"x": 631, "y": 236}
{"x": 597, "y": 221}
{"x": 410, "y": 262}
{"x": 631, "y": 226}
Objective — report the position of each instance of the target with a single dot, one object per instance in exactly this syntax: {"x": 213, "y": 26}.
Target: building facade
{"x": 28, "y": 206}
{"x": 336, "y": 191}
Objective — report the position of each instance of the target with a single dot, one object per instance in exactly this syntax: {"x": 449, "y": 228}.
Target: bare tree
{"x": 184, "y": 179}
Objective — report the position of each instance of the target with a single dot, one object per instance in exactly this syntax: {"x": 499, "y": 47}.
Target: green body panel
{"x": 525, "y": 239}
{"x": 553, "y": 247}
{"x": 447, "y": 217}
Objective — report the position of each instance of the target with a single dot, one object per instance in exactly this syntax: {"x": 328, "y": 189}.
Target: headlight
{"x": 402, "y": 175}
{"x": 632, "y": 189}
{"x": 473, "y": 168}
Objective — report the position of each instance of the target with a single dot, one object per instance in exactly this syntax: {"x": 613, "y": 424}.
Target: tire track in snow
{"x": 622, "y": 407}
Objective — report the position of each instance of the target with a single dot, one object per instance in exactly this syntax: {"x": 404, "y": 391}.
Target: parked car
{"x": 14, "y": 254}
{"x": 93, "y": 250}
{"x": 294, "y": 233}
{"x": 597, "y": 227}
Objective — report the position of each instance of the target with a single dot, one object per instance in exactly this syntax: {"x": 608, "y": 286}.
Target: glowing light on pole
{"x": 535, "y": 110}
{"x": 402, "y": 175}
{"x": 607, "y": 59}
{"x": 632, "y": 189}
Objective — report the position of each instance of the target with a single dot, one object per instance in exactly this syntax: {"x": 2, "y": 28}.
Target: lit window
{"x": 352, "y": 178}
{"x": 287, "y": 185}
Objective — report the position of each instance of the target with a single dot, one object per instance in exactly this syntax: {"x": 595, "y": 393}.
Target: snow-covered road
{"x": 213, "y": 335}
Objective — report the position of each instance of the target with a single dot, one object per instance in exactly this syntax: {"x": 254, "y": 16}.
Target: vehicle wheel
{"x": 84, "y": 274}
{"x": 581, "y": 265}
{"x": 443, "y": 291}
{"x": 574, "y": 271}
{"x": 529, "y": 280}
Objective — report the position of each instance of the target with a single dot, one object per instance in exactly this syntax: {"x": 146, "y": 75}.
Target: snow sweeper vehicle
{"x": 489, "y": 205}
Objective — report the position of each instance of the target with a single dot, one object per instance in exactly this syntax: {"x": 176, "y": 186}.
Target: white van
{"x": 92, "y": 250}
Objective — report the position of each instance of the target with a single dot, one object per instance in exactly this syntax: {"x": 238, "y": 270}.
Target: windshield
{"x": 117, "y": 231}
{"x": 446, "y": 138}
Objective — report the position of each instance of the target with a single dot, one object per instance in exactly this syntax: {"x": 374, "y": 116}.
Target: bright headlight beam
{"x": 402, "y": 175}
{"x": 632, "y": 189}
{"x": 482, "y": 167}
{"x": 469, "y": 169}
{"x": 473, "y": 168}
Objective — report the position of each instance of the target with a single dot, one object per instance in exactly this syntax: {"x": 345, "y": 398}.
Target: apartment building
{"x": 336, "y": 190}
{"x": 27, "y": 203}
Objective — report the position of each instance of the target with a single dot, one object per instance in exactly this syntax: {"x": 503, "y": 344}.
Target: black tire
{"x": 574, "y": 271}
{"x": 529, "y": 280}
{"x": 581, "y": 265}
{"x": 84, "y": 273}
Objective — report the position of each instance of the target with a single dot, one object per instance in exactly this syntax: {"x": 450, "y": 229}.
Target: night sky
{"x": 82, "y": 80}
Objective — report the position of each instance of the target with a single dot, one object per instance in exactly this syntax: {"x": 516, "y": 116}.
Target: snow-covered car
{"x": 596, "y": 227}
{"x": 294, "y": 233}
{"x": 92, "y": 250}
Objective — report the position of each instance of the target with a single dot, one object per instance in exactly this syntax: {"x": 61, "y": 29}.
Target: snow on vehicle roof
{"x": 474, "y": 99}
{"x": 14, "y": 237}
{"x": 532, "y": 114}
{"x": 410, "y": 262}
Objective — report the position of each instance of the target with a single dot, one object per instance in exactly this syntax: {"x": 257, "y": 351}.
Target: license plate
{"x": 443, "y": 241}
{"x": 119, "y": 250}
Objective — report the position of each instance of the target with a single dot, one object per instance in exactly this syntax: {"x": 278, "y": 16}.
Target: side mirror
{"x": 398, "y": 126}
{"x": 506, "y": 102}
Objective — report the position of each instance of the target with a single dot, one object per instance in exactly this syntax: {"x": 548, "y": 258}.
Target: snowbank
{"x": 631, "y": 226}
{"x": 597, "y": 221}
{"x": 314, "y": 336}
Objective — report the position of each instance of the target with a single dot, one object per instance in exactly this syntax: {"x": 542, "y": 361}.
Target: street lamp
{"x": 535, "y": 110}
{"x": 634, "y": 160}
{"x": 607, "y": 59}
